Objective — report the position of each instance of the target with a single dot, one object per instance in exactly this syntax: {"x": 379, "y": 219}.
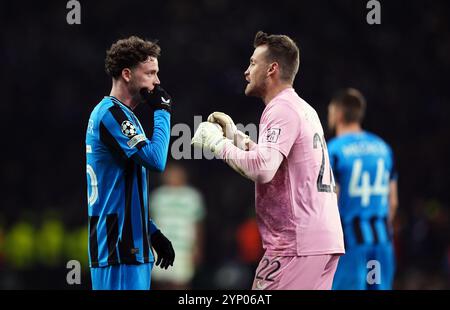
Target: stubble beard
{"x": 256, "y": 90}
{"x": 134, "y": 91}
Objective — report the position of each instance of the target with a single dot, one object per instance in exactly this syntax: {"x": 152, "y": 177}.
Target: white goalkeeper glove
{"x": 209, "y": 136}
{"x": 240, "y": 139}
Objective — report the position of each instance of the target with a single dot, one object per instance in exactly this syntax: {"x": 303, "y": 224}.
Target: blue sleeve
{"x": 119, "y": 133}
{"x": 126, "y": 139}
{"x": 333, "y": 155}
{"x": 393, "y": 173}
{"x": 152, "y": 227}
{"x": 153, "y": 154}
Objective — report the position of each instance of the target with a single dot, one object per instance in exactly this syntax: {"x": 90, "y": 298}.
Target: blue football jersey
{"x": 118, "y": 155}
{"x": 363, "y": 167}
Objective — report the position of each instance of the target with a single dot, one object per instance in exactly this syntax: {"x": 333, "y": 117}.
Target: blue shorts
{"x": 352, "y": 270}
{"x": 122, "y": 277}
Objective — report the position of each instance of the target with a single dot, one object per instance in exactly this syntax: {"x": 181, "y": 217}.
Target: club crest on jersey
{"x": 128, "y": 129}
{"x": 273, "y": 134}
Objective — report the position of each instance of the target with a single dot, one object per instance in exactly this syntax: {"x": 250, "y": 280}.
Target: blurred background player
{"x": 364, "y": 171}
{"x": 118, "y": 154}
{"x": 179, "y": 208}
{"x": 296, "y": 205}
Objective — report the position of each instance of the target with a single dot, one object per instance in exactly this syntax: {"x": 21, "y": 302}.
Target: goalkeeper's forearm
{"x": 243, "y": 141}
{"x": 259, "y": 164}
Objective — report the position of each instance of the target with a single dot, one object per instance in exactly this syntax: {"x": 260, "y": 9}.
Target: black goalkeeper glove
{"x": 164, "y": 249}
{"x": 158, "y": 98}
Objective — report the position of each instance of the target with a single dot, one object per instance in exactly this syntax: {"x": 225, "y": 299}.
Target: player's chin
{"x": 252, "y": 91}
{"x": 149, "y": 87}
{"x": 248, "y": 90}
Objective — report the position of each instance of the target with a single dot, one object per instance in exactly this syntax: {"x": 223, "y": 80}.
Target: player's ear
{"x": 273, "y": 68}
{"x": 126, "y": 74}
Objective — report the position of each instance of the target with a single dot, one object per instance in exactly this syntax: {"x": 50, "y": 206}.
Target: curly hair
{"x": 128, "y": 53}
{"x": 283, "y": 50}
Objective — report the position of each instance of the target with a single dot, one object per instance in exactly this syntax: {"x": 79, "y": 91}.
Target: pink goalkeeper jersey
{"x": 297, "y": 210}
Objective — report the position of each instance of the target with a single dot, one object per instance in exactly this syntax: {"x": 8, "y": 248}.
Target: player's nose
{"x": 246, "y": 74}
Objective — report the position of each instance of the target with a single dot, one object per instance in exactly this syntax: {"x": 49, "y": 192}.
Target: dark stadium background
{"x": 52, "y": 75}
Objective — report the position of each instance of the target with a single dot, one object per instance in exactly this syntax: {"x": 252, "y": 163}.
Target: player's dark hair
{"x": 128, "y": 53}
{"x": 352, "y": 103}
{"x": 283, "y": 50}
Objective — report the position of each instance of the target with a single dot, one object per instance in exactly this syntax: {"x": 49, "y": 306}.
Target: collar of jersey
{"x": 281, "y": 93}
{"x": 115, "y": 100}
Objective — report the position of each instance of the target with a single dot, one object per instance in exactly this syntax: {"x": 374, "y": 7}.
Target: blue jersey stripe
{"x": 93, "y": 243}
{"x": 112, "y": 236}
{"x": 107, "y": 138}
{"x": 145, "y": 243}
{"x": 126, "y": 245}
{"x": 373, "y": 221}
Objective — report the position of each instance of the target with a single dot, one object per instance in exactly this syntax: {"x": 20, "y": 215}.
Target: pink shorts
{"x": 295, "y": 272}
